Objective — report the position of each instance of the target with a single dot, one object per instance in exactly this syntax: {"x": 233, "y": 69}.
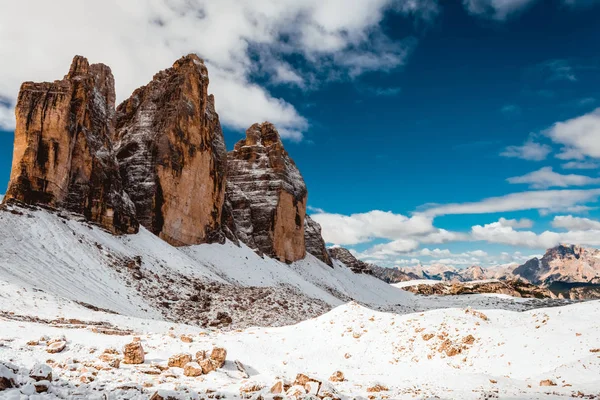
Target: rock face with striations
{"x": 344, "y": 255}
{"x": 267, "y": 195}
{"x": 315, "y": 244}
{"x": 63, "y": 154}
{"x": 172, "y": 155}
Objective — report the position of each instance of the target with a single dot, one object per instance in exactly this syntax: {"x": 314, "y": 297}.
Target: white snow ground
{"x": 48, "y": 262}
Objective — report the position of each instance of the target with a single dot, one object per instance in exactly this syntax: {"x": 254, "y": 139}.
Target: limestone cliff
{"x": 267, "y": 195}
{"x": 63, "y": 154}
{"x": 172, "y": 155}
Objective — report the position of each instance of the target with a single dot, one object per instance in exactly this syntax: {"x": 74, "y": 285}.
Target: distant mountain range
{"x": 561, "y": 264}
{"x": 570, "y": 270}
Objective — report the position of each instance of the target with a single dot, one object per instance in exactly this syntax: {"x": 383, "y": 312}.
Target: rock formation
{"x": 158, "y": 160}
{"x": 344, "y": 255}
{"x": 563, "y": 263}
{"x": 63, "y": 154}
{"x": 267, "y": 195}
{"x": 514, "y": 288}
{"x": 391, "y": 275}
{"x": 172, "y": 155}
{"x": 315, "y": 244}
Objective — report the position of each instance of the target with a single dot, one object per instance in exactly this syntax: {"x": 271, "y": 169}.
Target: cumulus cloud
{"x": 545, "y": 178}
{"x": 238, "y": 39}
{"x": 364, "y": 227}
{"x": 530, "y": 150}
{"x": 579, "y": 136}
{"x": 581, "y": 231}
{"x": 543, "y": 200}
{"x": 496, "y": 232}
{"x": 572, "y": 223}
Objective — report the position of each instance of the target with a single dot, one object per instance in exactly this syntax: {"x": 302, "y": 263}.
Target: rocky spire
{"x": 315, "y": 244}
{"x": 63, "y": 154}
{"x": 267, "y": 195}
{"x": 172, "y": 154}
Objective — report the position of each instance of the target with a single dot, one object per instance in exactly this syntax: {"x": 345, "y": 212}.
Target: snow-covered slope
{"x": 449, "y": 354}
{"x": 143, "y": 276}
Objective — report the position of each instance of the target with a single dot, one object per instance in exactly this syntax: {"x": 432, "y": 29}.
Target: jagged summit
{"x": 172, "y": 154}
{"x": 267, "y": 194}
{"x": 63, "y": 155}
{"x": 159, "y": 159}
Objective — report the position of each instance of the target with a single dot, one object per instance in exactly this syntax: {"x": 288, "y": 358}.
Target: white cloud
{"x": 137, "y": 38}
{"x": 363, "y": 227}
{"x": 530, "y": 150}
{"x": 572, "y": 223}
{"x": 580, "y": 136}
{"x": 545, "y": 178}
{"x": 516, "y": 223}
{"x": 551, "y": 200}
{"x": 496, "y": 9}
{"x": 496, "y": 232}
{"x": 581, "y": 231}
{"x": 7, "y": 116}
{"x": 581, "y": 165}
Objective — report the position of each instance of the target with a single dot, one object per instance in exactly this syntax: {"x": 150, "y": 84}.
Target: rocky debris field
{"x": 351, "y": 352}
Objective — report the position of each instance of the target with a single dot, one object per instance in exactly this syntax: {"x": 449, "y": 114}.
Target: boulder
{"x": 218, "y": 355}
{"x": 180, "y": 360}
{"x": 133, "y": 353}
{"x": 193, "y": 369}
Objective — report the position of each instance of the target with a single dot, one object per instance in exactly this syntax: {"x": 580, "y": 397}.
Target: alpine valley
{"x": 141, "y": 260}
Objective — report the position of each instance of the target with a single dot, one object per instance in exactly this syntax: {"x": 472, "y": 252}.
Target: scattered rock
{"x": 547, "y": 382}
{"x": 427, "y": 336}
{"x": 469, "y": 339}
{"x": 180, "y": 360}
{"x": 277, "y": 388}
{"x": 164, "y": 395}
{"x": 186, "y": 338}
{"x": 377, "y": 388}
{"x": 41, "y": 372}
{"x": 192, "y": 369}
{"x": 338, "y": 376}
{"x": 133, "y": 353}
{"x": 218, "y": 355}
{"x": 41, "y": 386}
{"x": 296, "y": 391}
{"x": 201, "y": 355}
{"x": 56, "y": 347}
{"x": 208, "y": 366}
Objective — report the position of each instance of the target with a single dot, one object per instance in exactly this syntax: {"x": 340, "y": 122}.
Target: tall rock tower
{"x": 172, "y": 155}
{"x": 267, "y": 195}
{"x": 63, "y": 154}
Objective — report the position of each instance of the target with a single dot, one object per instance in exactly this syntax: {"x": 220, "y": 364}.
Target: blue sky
{"x": 395, "y": 112}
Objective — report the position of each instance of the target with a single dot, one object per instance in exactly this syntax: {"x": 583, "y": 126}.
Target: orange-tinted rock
{"x": 267, "y": 195}
{"x": 63, "y": 154}
{"x": 172, "y": 155}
